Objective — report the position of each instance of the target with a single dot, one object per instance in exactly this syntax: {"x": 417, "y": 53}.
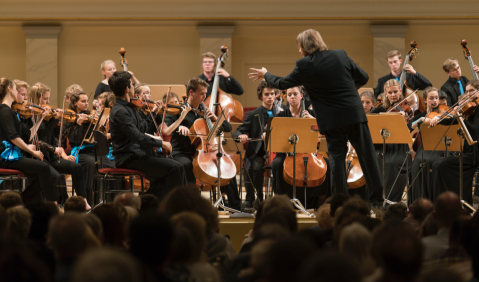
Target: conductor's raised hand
{"x": 243, "y": 138}
{"x": 185, "y": 131}
{"x": 257, "y": 73}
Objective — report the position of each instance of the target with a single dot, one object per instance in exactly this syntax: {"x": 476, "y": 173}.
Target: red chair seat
{"x": 121, "y": 171}
{"x": 11, "y": 172}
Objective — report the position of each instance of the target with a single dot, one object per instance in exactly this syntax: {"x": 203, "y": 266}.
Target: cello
{"x": 407, "y": 90}
{"x": 205, "y": 160}
{"x": 313, "y": 171}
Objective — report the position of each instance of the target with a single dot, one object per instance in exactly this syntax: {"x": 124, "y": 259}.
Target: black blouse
{"x": 100, "y": 88}
{"x": 10, "y": 127}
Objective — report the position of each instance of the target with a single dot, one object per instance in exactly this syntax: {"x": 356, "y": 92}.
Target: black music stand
{"x": 390, "y": 128}
{"x": 293, "y": 135}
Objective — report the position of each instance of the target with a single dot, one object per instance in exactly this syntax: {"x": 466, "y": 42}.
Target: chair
{"x": 11, "y": 174}
{"x": 106, "y": 174}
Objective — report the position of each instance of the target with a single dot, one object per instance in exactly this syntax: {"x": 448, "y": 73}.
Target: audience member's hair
{"x": 41, "y": 213}
{"x": 95, "y": 225}
{"x": 371, "y": 223}
{"x": 75, "y": 204}
{"x": 113, "y": 230}
{"x": 67, "y": 235}
{"x": 447, "y": 208}
{"x": 329, "y": 267}
{"x": 355, "y": 242}
{"x": 119, "y": 81}
{"x": 10, "y": 199}
{"x": 195, "y": 225}
{"x": 462, "y": 234}
{"x": 281, "y": 267}
{"x": 150, "y": 235}
{"x": 148, "y": 203}
{"x": 338, "y": 201}
{"x": 428, "y": 226}
{"x": 358, "y": 204}
{"x": 281, "y": 216}
{"x": 398, "y": 250}
{"x": 345, "y": 216}
{"x": 106, "y": 265}
{"x": 3, "y": 222}
{"x": 131, "y": 213}
{"x": 441, "y": 275}
{"x": 323, "y": 217}
{"x": 397, "y": 211}
{"x": 420, "y": 208}
{"x": 18, "y": 263}
{"x": 128, "y": 199}
{"x": 20, "y": 222}
{"x": 282, "y": 201}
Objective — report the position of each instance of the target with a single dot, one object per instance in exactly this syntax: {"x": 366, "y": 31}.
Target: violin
{"x": 26, "y": 110}
{"x": 313, "y": 171}
{"x": 405, "y": 106}
{"x": 148, "y": 105}
{"x": 379, "y": 101}
{"x": 416, "y": 103}
{"x": 205, "y": 160}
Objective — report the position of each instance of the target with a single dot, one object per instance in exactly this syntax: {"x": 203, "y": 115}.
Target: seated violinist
{"x": 127, "y": 141}
{"x": 280, "y": 186}
{"x": 22, "y": 89}
{"x": 227, "y": 82}
{"x": 413, "y": 78}
{"x": 442, "y": 98}
{"x": 183, "y": 150}
{"x": 368, "y": 100}
{"x": 254, "y": 126}
{"x": 174, "y": 99}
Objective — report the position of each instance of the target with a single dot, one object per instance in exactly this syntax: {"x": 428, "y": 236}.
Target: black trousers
{"x": 231, "y": 189}
{"x": 157, "y": 169}
{"x": 87, "y": 162}
{"x": 76, "y": 171}
{"x": 34, "y": 170}
{"x": 255, "y": 177}
{"x": 360, "y": 137}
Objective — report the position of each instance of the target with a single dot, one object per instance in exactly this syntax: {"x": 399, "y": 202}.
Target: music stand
{"x": 293, "y": 135}
{"x": 390, "y": 128}
{"x": 447, "y": 138}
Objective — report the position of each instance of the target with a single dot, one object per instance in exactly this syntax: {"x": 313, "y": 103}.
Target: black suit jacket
{"x": 451, "y": 87}
{"x": 414, "y": 81}
{"x": 229, "y": 85}
{"x": 252, "y": 127}
{"x": 331, "y": 79}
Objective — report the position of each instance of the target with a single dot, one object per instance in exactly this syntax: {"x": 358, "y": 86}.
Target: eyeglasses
{"x": 208, "y": 62}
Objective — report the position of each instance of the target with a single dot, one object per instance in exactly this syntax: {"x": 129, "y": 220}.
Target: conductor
{"x": 331, "y": 79}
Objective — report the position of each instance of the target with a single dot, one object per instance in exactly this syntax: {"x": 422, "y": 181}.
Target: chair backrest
{"x": 102, "y": 148}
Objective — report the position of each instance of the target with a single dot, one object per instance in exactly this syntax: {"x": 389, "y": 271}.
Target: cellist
{"x": 227, "y": 82}
{"x": 280, "y": 186}
{"x": 183, "y": 150}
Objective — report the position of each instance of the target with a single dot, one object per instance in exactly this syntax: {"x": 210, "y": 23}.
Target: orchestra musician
{"x": 13, "y": 140}
{"x": 446, "y": 170}
{"x": 431, "y": 98}
{"x": 395, "y": 153}
{"x": 227, "y": 82}
{"x": 22, "y": 90}
{"x": 254, "y": 155}
{"x": 442, "y": 98}
{"x": 108, "y": 67}
{"x": 455, "y": 86}
{"x": 368, "y": 100}
{"x": 127, "y": 141}
{"x": 331, "y": 79}
{"x": 280, "y": 186}
{"x": 413, "y": 78}
{"x": 70, "y": 89}
{"x": 54, "y": 155}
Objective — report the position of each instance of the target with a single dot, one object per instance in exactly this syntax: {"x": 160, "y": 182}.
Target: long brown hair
{"x": 4, "y": 84}
{"x": 37, "y": 90}
{"x": 75, "y": 97}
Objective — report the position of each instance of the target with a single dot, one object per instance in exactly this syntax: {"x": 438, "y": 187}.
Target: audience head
{"x": 397, "y": 211}
{"x": 282, "y": 201}
{"x": 338, "y": 201}
{"x": 446, "y": 209}
{"x": 439, "y": 274}
{"x": 428, "y": 227}
{"x": 128, "y": 199}
{"x": 150, "y": 235}
{"x": 4, "y": 222}
{"x": 398, "y": 250}
{"x": 41, "y": 213}
{"x": 75, "y": 204}
{"x": 113, "y": 228}
{"x": 323, "y": 217}
{"x": 195, "y": 225}
{"x": 10, "y": 199}
{"x": 284, "y": 217}
{"x": 106, "y": 265}
{"x": 95, "y": 225}
{"x": 463, "y": 233}
{"x": 20, "y": 222}
{"x": 420, "y": 208}
{"x": 355, "y": 242}
{"x": 148, "y": 203}
{"x": 329, "y": 267}
{"x": 67, "y": 234}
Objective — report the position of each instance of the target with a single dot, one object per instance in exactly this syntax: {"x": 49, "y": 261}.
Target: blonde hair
{"x": 428, "y": 90}
{"x": 172, "y": 95}
{"x": 370, "y": 95}
{"x": 390, "y": 83}
{"x": 449, "y": 64}
{"x": 394, "y": 53}
{"x": 209, "y": 55}
{"x": 107, "y": 98}
{"x": 311, "y": 41}
{"x": 37, "y": 90}
{"x": 72, "y": 88}
{"x": 19, "y": 84}
{"x": 138, "y": 87}
{"x": 105, "y": 63}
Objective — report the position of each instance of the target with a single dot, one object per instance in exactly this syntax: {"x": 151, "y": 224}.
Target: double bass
{"x": 310, "y": 167}
{"x": 467, "y": 55}
{"x": 415, "y": 102}
{"x": 205, "y": 160}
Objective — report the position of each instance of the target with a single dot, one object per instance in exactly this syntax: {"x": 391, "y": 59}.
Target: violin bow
{"x": 61, "y": 126}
